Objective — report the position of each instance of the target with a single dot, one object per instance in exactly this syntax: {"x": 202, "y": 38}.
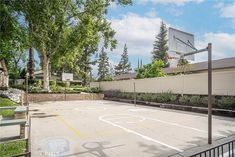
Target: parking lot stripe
{"x": 138, "y": 134}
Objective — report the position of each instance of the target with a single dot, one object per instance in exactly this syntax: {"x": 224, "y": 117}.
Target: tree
{"x": 153, "y": 69}
{"x": 160, "y": 47}
{"x": 183, "y": 66}
{"x": 63, "y": 29}
{"x": 103, "y": 67}
{"x": 13, "y": 38}
{"x": 83, "y": 40}
{"x": 124, "y": 66}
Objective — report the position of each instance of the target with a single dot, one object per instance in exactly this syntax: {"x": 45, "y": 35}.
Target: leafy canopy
{"x": 150, "y": 70}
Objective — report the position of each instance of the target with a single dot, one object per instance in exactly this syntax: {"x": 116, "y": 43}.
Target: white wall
{"x": 223, "y": 83}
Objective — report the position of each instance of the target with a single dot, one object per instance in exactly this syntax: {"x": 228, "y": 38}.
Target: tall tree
{"x": 103, "y": 67}
{"x": 124, "y": 66}
{"x": 13, "y": 38}
{"x": 160, "y": 47}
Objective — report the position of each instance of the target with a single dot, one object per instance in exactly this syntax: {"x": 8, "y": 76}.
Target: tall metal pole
{"x": 134, "y": 95}
{"x": 209, "y": 93}
{"x": 27, "y": 88}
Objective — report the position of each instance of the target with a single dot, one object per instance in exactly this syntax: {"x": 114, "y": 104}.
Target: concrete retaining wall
{"x": 223, "y": 84}
{"x": 64, "y": 97}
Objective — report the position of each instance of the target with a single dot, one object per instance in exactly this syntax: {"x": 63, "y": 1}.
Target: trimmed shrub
{"x": 184, "y": 100}
{"x": 195, "y": 100}
{"x": 226, "y": 103}
{"x": 61, "y": 83}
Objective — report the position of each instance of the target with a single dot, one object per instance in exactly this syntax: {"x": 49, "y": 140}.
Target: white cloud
{"x": 228, "y": 11}
{"x": 222, "y": 45}
{"x": 176, "y": 2}
{"x": 138, "y": 32}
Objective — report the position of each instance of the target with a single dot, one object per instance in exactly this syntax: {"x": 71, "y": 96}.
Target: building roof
{"x": 126, "y": 76}
{"x": 225, "y": 63}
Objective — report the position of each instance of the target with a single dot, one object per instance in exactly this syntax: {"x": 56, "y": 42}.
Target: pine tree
{"x": 160, "y": 47}
{"x": 124, "y": 66}
{"x": 103, "y": 67}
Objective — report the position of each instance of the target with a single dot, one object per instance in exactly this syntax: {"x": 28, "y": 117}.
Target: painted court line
{"x": 138, "y": 134}
{"x": 165, "y": 122}
{"x": 67, "y": 125}
{"x": 183, "y": 126}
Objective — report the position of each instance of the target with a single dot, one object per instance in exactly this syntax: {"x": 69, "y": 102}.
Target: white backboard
{"x": 175, "y": 43}
{"x": 67, "y": 76}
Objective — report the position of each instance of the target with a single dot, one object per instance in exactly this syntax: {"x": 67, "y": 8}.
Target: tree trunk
{"x": 31, "y": 64}
{"x": 46, "y": 63}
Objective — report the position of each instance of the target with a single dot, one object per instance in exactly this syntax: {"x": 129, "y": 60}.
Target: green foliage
{"x": 12, "y": 148}
{"x": 124, "y": 66}
{"x": 66, "y": 32}
{"x": 7, "y": 113}
{"x": 151, "y": 70}
{"x": 6, "y": 102}
{"x": 168, "y": 97}
{"x": 160, "y": 47}
{"x": 226, "y": 102}
{"x": 53, "y": 85}
{"x": 108, "y": 78}
{"x": 184, "y": 100}
{"x": 196, "y": 100}
{"x": 182, "y": 61}
{"x": 103, "y": 66}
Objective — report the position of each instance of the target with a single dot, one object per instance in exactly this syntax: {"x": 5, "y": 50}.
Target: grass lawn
{"x": 6, "y": 102}
{"x": 12, "y": 148}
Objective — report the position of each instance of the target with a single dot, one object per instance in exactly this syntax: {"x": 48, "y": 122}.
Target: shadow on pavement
{"x": 94, "y": 148}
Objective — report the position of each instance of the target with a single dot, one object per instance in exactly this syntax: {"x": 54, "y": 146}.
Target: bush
{"x": 7, "y": 113}
{"x": 196, "y": 100}
{"x": 165, "y": 97}
{"x": 60, "y": 83}
{"x": 6, "y": 102}
{"x": 226, "y": 103}
{"x": 184, "y": 100}
{"x": 20, "y": 87}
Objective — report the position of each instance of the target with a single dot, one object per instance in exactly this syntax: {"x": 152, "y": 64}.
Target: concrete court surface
{"x": 113, "y": 129}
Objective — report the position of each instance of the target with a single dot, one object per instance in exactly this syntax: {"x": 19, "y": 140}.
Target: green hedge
{"x": 222, "y": 102}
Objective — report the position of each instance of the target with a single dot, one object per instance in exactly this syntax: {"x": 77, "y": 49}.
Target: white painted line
{"x": 126, "y": 116}
{"x": 138, "y": 134}
{"x": 161, "y": 121}
{"x": 90, "y": 109}
{"x": 136, "y": 109}
{"x": 183, "y": 126}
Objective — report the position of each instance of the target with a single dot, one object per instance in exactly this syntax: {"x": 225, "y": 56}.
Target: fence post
{"x": 134, "y": 94}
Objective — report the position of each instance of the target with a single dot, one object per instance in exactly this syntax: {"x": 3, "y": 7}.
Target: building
{"x": 4, "y": 78}
{"x": 225, "y": 64}
{"x": 126, "y": 76}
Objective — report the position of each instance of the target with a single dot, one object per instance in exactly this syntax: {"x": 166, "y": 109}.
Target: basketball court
{"x": 112, "y": 129}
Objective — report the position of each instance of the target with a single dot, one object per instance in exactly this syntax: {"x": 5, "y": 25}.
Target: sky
{"x": 137, "y": 25}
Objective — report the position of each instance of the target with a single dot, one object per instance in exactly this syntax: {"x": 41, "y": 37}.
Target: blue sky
{"x": 209, "y": 20}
